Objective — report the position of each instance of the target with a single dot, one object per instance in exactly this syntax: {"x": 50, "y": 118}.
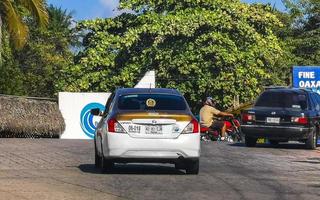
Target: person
{"x": 209, "y": 114}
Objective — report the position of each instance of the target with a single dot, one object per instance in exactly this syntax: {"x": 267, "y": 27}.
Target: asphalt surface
{"x": 64, "y": 169}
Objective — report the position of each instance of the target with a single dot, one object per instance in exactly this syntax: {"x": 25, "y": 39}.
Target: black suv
{"x": 283, "y": 114}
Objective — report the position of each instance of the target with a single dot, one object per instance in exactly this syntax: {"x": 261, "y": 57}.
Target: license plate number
{"x": 273, "y": 120}
{"x": 153, "y": 129}
{"x": 134, "y": 129}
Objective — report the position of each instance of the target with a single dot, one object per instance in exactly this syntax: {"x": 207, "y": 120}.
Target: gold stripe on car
{"x": 130, "y": 116}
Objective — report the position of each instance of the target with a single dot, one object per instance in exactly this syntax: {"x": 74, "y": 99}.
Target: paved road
{"x": 63, "y": 169}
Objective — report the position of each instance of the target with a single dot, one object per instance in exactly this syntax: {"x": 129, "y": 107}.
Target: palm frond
{"x": 38, "y": 9}
{"x": 17, "y": 29}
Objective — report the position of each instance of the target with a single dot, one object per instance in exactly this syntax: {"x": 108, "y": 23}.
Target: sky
{"x": 90, "y": 9}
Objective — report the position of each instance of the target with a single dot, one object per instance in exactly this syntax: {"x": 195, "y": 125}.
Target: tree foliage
{"x": 304, "y": 35}
{"x": 201, "y": 47}
{"x": 11, "y": 78}
{"x": 37, "y": 66}
{"x": 12, "y": 17}
{"x": 219, "y": 48}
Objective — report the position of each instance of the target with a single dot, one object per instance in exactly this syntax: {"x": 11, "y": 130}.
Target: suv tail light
{"x": 248, "y": 117}
{"x": 114, "y": 126}
{"x": 299, "y": 120}
{"x": 193, "y": 127}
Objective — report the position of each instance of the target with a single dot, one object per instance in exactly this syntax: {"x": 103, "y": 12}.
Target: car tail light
{"x": 193, "y": 127}
{"x": 248, "y": 117}
{"x": 299, "y": 120}
{"x": 114, "y": 126}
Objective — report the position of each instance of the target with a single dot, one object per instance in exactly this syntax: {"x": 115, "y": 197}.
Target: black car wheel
{"x": 192, "y": 167}
{"x": 105, "y": 165}
{"x": 274, "y": 142}
{"x": 97, "y": 159}
{"x": 317, "y": 137}
{"x": 311, "y": 142}
{"x": 250, "y": 142}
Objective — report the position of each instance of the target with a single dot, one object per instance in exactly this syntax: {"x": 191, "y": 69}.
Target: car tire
{"x": 311, "y": 142}
{"x": 192, "y": 167}
{"x": 274, "y": 142}
{"x": 105, "y": 164}
{"x": 97, "y": 159}
{"x": 250, "y": 142}
{"x": 318, "y": 138}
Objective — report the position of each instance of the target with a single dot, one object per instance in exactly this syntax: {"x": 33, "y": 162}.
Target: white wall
{"x": 75, "y": 109}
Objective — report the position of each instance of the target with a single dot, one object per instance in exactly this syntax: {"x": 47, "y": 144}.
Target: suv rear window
{"x": 151, "y": 102}
{"x": 283, "y": 100}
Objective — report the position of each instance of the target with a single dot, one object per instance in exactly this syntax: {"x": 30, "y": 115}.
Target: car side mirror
{"x": 96, "y": 112}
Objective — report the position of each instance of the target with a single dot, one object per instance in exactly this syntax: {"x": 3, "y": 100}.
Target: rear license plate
{"x": 273, "y": 120}
{"x": 134, "y": 129}
{"x": 153, "y": 129}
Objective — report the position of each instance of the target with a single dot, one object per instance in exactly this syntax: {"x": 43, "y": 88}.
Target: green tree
{"x": 304, "y": 36}
{"x": 284, "y": 33}
{"x": 11, "y": 77}
{"x": 11, "y": 18}
{"x": 204, "y": 47}
{"x": 47, "y": 52}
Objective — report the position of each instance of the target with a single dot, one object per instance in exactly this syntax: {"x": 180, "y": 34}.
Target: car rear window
{"x": 282, "y": 99}
{"x": 151, "y": 102}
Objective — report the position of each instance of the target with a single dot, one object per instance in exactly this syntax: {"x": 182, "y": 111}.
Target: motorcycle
{"x": 233, "y": 132}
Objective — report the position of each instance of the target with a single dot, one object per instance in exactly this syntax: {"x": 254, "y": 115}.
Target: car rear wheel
{"x": 250, "y": 142}
{"x": 311, "y": 142}
{"x": 97, "y": 158}
{"x": 192, "y": 167}
{"x": 274, "y": 142}
{"x": 318, "y": 137}
{"x": 105, "y": 164}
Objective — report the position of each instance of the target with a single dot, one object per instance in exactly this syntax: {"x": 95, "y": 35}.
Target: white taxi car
{"x": 147, "y": 125}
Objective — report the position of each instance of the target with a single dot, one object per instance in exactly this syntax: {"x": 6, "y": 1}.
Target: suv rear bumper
{"x": 275, "y": 132}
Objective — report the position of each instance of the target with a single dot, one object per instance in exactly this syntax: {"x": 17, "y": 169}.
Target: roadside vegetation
{"x": 207, "y": 47}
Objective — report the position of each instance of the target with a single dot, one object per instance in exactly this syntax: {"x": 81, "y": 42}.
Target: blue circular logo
{"x": 87, "y": 119}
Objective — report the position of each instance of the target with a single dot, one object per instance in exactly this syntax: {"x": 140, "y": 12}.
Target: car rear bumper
{"x": 123, "y": 146}
{"x": 275, "y": 132}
